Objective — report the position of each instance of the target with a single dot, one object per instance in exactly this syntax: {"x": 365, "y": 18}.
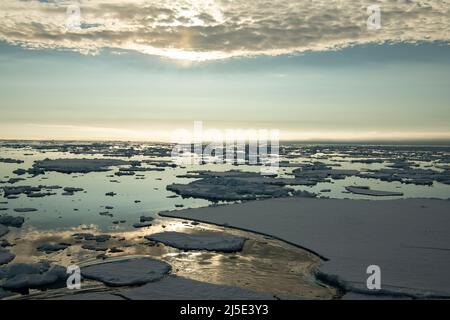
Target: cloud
{"x": 217, "y": 29}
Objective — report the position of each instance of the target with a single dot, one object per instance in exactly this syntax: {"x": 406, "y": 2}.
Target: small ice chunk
{"x": 53, "y": 247}
{"x": 142, "y": 225}
{"x": 6, "y": 256}
{"x": 23, "y": 210}
{"x": 369, "y": 192}
{"x": 3, "y": 230}
{"x": 11, "y": 221}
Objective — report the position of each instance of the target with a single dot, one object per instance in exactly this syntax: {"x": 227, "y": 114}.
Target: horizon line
{"x": 405, "y": 142}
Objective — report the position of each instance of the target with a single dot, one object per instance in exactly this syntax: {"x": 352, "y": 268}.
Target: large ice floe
{"x": 232, "y": 186}
{"x": 408, "y": 175}
{"x": 408, "y": 239}
{"x": 205, "y": 240}
{"x": 77, "y": 165}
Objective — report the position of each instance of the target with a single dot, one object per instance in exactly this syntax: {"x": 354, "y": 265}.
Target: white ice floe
{"x": 409, "y": 239}
{"x": 134, "y": 271}
{"x": 211, "y": 241}
{"x": 224, "y": 188}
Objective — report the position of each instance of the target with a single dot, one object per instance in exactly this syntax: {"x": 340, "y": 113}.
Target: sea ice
{"x": 52, "y": 247}
{"x": 5, "y": 257}
{"x": 11, "y": 221}
{"x": 23, "y": 210}
{"x": 205, "y": 240}
{"x": 77, "y": 165}
{"x": 142, "y": 225}
{"x": 29, "y": 276}
{"x": 407, "y": 238}
{"x": 128, "y": 272}
{"x": 3, "y": 230}
{"x": 369, "y": 192}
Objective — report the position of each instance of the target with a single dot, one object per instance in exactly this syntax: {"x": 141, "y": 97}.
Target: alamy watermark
{"x": 374, "y": 280}
{"x": 73, "y": 19}
{"x": 74, "y": 280}
{"x": 232, "y": 146}
{"x": 374, "y": 19}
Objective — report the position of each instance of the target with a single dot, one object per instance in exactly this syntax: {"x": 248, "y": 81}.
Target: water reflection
{"x": 264, "y": 265}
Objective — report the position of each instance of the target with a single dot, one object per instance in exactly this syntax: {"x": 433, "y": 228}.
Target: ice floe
{"x": 77, "y": 165}
{"x": 11, "y": 221}
{"x": 205, "y": 240}
{"x": 127, "y": 272}
{"x": 369, "y": 192}
{"x": 407, "y": 238}
{"x": 24, "y": 210}
{"x": 6, "y": 257}
{"x": 230, "y": 186}
{"x": 20, "y": 276}
{"x": 52, "y": 247}
{"x": 3, "y": 230}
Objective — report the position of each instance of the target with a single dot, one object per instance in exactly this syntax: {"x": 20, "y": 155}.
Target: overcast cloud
{"x": 215, "y": 29}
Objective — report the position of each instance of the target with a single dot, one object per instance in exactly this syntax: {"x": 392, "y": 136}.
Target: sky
{"x": 139, "y": 70}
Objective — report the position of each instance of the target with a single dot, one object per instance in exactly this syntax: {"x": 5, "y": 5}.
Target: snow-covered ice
{"x": 127, "y": 272}
{"x": 77, "y": 165}
{"x": 211, "y": 241}
{"x": 408, "y": 239}
{"x": 33, "y": 275}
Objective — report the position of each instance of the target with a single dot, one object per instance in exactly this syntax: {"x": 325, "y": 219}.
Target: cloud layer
{"x": 216, "y": 29}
